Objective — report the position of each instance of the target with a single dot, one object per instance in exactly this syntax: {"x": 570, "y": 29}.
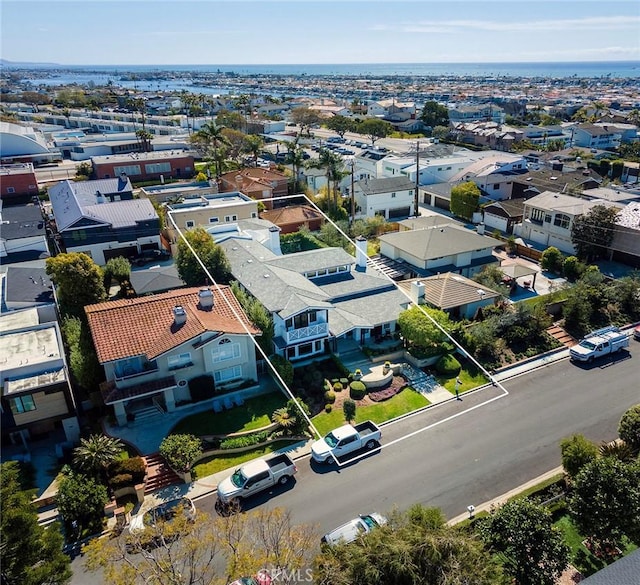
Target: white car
{"x": 354, "y": 528}
{"x": 164, "y": 512}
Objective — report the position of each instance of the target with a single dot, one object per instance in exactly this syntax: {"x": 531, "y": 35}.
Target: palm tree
{"x": 95, "y": 453}
{"x": 334, "y": 170}
{"x": 296, "y": 159}
{"x": 253, "y": 145}
{"x": 144, "y": 136}
{"x": 212, "y": 139}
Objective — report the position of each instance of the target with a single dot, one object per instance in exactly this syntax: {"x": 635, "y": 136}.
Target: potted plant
{"x": 386, "y": 367}
{"x": 357, "y": 374}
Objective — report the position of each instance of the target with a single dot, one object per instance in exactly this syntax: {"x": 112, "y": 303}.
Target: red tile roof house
{"x": 152, "y": 347}
{"x": 290, "y": 219}
{"x": 257, "y": 183}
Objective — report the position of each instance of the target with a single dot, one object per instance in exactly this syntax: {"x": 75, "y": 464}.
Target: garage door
{"x": 115, "y": 252}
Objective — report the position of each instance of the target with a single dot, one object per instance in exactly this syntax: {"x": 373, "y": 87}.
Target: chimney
{"x": 361, "y": 253}
{"x": 417, "y": 292}
{"x": 480, "y": 229}
{"x": 99, "y": 197}
{"x": 205, "y": 299}
{"x": 179, "y": 315}
{"x": 274, "y": 240}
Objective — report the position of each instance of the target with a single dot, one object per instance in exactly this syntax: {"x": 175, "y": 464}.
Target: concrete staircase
{"x": 561, "y": 335}
{"x": 144, "y": 415}
{"x": 159, "y": 474}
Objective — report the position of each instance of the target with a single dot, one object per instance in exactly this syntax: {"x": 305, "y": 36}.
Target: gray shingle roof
{"x": 624, "y": 571}
{"x": 436, "y": 242}
{"x": 21, "y": 221}
{"x": 386, "y": 185}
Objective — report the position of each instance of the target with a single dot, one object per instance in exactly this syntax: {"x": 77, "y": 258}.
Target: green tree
{"x": 305, "y": 118}
{"x": 211, "y": 140}
{"x": 629, "y": 427}
{"x": 551, "y": 260}
{"x": 334, "y": 168}
{"x": 211, "y": 255}
{"x": 83, "y": 171}
{"x": 258, "y": 315}
{"x": 340, "y": 125}
{"x": 465, "y": 199}
{"x": 235, "y": 143}
{"x": 572, "y": 268}
{"x": 81, "y": 501}
{"x": 349, "y": 409}
{"x": 253, "y": 145}
{"x": 229, "y": 119}
{"x": 284, "y": 368}
{"x": 181, "y": 451}
{"x": 492, "y": 277}
{"x": 374, "y": 129}
{"x": 531, "y": 548}
{"x": 144, "y": 137}
{"x": 577, "y": 451}
{"x": 605, "y": 501}
{"x": 421, "y": 331}
{"x": 414, "y": 548}
{"x": 440, "y": 132}
{"x": 94, "y": 455}
{"x": 433, "y": 114}
{"x": 31, "y": 553}
{"x": 83, "y": 361}
{"x": 118, "y": 269}
{"x": 78, "y": 280}
{"x": 592, "y": 233}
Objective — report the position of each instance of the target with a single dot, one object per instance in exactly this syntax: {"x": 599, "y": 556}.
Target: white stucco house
{"x": 393, "y": 197}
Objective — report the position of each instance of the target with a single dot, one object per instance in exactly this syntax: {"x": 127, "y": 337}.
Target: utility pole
{"x": 415, "y": 196}
{"x": 353, "y": 199}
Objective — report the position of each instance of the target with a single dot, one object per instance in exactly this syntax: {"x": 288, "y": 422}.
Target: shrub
{"x": 121, "y": 480}
{"x": 358, "y": 390}
{"x": 181, "y": 451}
{"x": 573, "y": 268}
{"x": 551, "y": 259}
{"x": 201, "y": 387}
{"x": 330, "y": 396}
{"x": 328, "y": 408}
{"x": 629, "y": 427}
{"x": 245, "y": 441}
{"x": 349, "y": 409}
{"x": 134, "y": 466}
{"x": 337, "y": 387}
{"x": 448, "y": 365}
{"x": 327, "y": 386}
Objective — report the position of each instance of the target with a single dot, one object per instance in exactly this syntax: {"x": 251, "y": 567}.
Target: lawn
{"x": 406, "y": 401}
{"x": 255, "y": 413}
{"x": 217, "y": 463}
{"x": 470, "y": 377}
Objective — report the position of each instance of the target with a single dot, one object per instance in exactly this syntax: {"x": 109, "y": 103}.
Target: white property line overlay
{"x": 373, "y": 263}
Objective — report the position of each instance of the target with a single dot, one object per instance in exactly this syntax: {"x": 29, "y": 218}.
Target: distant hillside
{"x": 22, "y": 64}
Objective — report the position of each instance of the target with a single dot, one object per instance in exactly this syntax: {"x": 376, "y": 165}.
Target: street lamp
{"x": 471, "y": 509}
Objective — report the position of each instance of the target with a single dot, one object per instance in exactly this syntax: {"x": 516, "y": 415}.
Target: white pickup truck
{"x": 256, "y": 476}
{"x": 346, "y": 439}
{"x": 599, "y": 343}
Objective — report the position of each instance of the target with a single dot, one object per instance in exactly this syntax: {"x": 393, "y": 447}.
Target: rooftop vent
{"x": 179, "y": 315}
{"x": 205, "y": 297}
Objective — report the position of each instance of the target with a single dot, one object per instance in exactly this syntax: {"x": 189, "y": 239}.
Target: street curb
{"x": 486, "y": 506}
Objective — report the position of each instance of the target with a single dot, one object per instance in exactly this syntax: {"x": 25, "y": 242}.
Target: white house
{"x": 603, "y": 136}
{"x": 393, "y": 197}
{"x": 548, "y": 218}
{"x": 387, "y": 107}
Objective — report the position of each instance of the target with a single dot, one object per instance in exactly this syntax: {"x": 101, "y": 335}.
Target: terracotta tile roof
{"x": 291, "y": 214}
{"x": 145, "y": 326}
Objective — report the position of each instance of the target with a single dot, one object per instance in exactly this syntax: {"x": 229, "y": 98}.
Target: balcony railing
{"x": 149, "y": 368}
{"x": 307, "y": 332}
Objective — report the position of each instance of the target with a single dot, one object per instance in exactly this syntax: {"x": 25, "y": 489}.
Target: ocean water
{"x": 583, "y": 69}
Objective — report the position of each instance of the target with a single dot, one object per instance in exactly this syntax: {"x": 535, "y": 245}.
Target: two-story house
{"x": 152, "y": 347}
{"x": 548, "y": 218}
{"x": 393, "y": 197}
{"x": 18, "y": 181}
{"x": 260, "y": 184}
{"x": 316, "y": 298}
{"x": 440, "y": 248}
{"x": 22, "y": 235}
{"x": 101, "y": 218}
{"x": 383, "y": 108}
{"x": 475, "y": 113}
{"x": 599, "y": 137}
{"x": 36, "y": 396}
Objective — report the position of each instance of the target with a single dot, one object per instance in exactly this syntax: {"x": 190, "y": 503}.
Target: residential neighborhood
{"x": 290, "y": 304}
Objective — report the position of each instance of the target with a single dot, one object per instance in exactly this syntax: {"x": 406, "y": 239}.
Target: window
{"x": 393, "y": 195}
{"x": 305, "y": 349}
{"x": 22, "y": 404}
{"x": 128, "y": 169}
{"x": 190, "y": 223}
{"x": 183, "y": 360}
{"x": 226, "y": 351}
{"x": 10, "y": 190}
{"x": 561, "y": 220}
{"x": 227, "y": 374}
{"x": 496, "y": 186}
{"x": 213, "y": 220}
{"x": 164, "y": 167}
{"x": 254, "y": 215}
{"x": 231, "y": 218}
{"x": 547, "y": 218}
{"x": 79, "y": 235}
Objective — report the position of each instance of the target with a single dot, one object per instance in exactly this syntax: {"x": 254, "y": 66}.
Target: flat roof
{"x": 29, "y": 383}
{"x": 30, "y": 347}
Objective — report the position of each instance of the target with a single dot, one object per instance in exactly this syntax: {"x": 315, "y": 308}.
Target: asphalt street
{"x": 462, "y": 452}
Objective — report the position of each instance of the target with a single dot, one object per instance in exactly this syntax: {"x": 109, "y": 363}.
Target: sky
{"x": 215, "y": 32}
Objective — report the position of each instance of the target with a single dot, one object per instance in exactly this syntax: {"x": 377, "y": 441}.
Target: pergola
{"x": 515, "y": 271}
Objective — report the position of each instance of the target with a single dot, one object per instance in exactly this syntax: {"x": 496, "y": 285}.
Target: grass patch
{"x": 255, "y": 413}
{"x": 539, "y": 487}
{"x": 216, "y": 463}
{"x": 469, "y": 376}
{"x": 406, "y": 401}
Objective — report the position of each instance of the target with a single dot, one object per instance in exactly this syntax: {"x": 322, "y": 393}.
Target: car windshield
{"x": 238, "y": 479}
{"x": 369, "y": 521}
{"x": 331, "y": 440}
{"x": 588, "y": 344}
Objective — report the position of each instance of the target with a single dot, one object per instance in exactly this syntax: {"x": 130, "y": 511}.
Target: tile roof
{"x": 145, "y": 325}
{"x": 448, "y": 290}
{"x": 292, "y": 214}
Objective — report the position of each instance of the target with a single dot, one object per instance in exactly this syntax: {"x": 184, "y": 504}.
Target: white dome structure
{"x": 24, "y": 144}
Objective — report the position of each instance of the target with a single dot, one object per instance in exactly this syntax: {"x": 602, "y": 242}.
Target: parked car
{"x": 599, "y": 343}
{"x": 255, "y": 476}
{"x": 346, "y": 439}
{"x": 152, "y": 518}
{"x": 636, "y": 333}
{"x": 354, "y": 528}
{"x": 262, "y": 578}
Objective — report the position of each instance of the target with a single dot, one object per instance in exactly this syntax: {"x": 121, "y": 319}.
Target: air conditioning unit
{"x": 182, "y": 383}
